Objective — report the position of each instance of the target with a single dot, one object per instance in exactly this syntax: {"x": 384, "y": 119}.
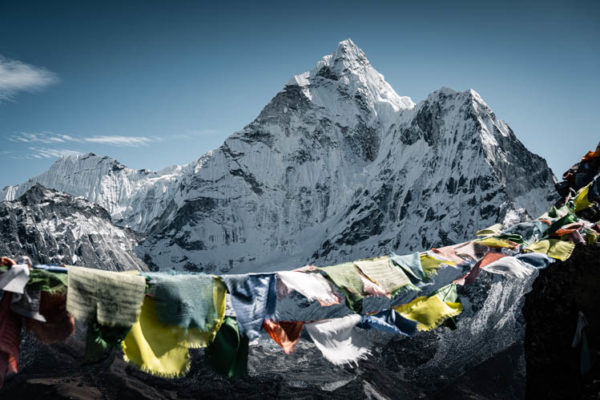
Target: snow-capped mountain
{"x": 134, "y": 198}
{"x": 53, "y": 228}
{"x": 336, "y": 167}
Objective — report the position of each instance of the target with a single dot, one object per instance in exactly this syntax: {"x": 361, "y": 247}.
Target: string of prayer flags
{"x": 155, "y": 330}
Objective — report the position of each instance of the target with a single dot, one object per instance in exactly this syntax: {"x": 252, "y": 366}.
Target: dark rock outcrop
{"x": 551, "y": 313}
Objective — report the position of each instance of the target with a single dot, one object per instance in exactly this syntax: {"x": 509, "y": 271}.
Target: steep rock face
{"x": 338, "y": 166}
{"x": 444, "y": 175}
{"x": 55, "y": 228}
{"x": 134, "y": 198}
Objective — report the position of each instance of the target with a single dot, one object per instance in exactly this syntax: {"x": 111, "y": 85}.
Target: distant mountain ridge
{"x": 336, "y": 167}
{"x": 132, "y": 197}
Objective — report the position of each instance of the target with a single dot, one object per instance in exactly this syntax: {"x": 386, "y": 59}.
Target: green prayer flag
{"x": 513, "y": 237}
{"x": 447, "y": 293}
{"x": 346, "y": 277}
{"x": 102, "y": 339}
{"x": 47, "y": 281}
{"x": 228, "y": 353}
{"x": 567, "y": 219}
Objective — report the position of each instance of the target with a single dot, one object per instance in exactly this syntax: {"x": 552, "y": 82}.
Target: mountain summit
{"x": 347, "y": 71}
{"x": 336, "y": 167}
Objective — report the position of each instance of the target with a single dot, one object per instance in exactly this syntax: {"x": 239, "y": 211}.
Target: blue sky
{"x": 155, "y": 83}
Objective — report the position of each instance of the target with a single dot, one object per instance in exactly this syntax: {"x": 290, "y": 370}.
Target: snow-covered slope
{"x": 336, "y": 167}
{"x": 55, "y": 228}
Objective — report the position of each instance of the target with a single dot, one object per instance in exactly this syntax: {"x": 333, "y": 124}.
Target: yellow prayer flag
{"x": 429, "y": 312}
{"x": 492, "y": 230}
{"x": 430, "y": 264}
{"x": 555, "y": 248}
{"x": 581, "y": 200}
{"x": 155, "y": 347}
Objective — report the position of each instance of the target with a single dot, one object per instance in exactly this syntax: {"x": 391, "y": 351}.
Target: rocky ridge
{"x": 56, "y": 228}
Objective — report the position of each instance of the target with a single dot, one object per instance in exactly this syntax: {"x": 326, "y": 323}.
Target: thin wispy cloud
{"x": 45, "y": 145}
{"x": 133, "y": 141}
{"x": 55, "y": 138}
{"x": 16, "y": 76}
{"x": 42, "y": 153}
{"x": 46, "y": 138}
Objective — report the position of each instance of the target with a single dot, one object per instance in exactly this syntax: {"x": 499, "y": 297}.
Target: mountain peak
{"x": 76, "y": 156}
{"x": 347, "y": 59}
{"x": 89, "y": 159}
{"x": 36, "y": 194}
{"x": 446, "y": 94}
{"x": 347, "y": 73}
{"x": 348, "y": 54}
